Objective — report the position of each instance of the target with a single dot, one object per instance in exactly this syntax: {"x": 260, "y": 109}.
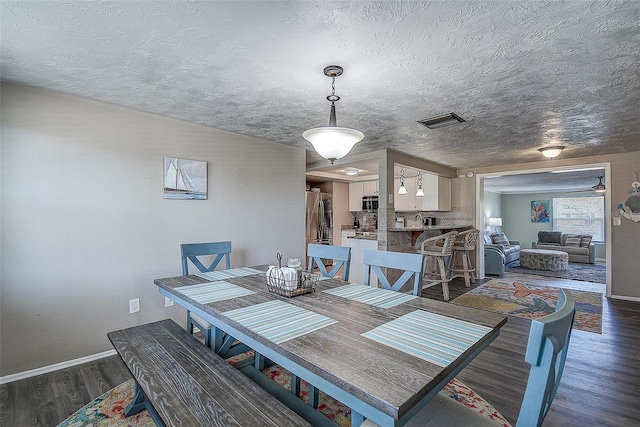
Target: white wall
{"x": 85, "y": 227}
{"x": 492, "y": 207}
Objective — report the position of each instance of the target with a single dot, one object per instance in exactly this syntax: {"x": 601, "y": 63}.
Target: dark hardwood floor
{"x": 600, "y": 386}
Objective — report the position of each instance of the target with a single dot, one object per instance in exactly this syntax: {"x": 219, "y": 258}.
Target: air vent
{"x": 441, "y": 121}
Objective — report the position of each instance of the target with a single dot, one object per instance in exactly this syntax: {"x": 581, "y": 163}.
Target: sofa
{"x": 578, "y": 246}
{"x": 499, "y": 251}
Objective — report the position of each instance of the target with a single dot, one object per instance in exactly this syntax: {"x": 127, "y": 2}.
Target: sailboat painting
{"x": 185, "y": 179}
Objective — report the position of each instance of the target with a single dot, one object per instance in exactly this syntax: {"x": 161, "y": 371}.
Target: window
{"x": 579, "y": 215}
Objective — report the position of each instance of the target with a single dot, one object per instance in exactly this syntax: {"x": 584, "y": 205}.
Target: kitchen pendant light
{"x": 333, "y": 142}
{"x": 599, "y": 187}
{"x": 420, "y": 191}
{"x": 402, "y": 189}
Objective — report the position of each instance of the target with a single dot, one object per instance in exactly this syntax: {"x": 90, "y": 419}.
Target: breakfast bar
{"x": 384, "y": 354}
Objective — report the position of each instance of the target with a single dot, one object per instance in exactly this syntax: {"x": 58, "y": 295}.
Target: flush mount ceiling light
{"x": 551, "y": 151}
{"x": 419, "y": 191}
{"x": 351, "y": 172}
{"x": 599, "y": 187}
{"x": 441, "y": 120}
{"x": 402, "y": 189}
{"x": 333, "y": 142}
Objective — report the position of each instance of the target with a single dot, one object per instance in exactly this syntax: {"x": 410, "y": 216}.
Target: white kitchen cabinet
{"x": 370, "y": 188}
{"x": 355, "y": 196}
{"x": 437, "y": 193}
{"x": 345, "y": 235}
{"x": 357, "y": 190}
{"x": 358, "y": 246}
{"x": 405, "y": 202}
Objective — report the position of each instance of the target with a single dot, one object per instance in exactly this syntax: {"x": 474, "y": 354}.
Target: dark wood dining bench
{"x": 184, "y": 383}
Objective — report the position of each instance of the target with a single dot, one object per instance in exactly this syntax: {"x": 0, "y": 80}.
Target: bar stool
{"x": 466, "y": 242}
{"x": 438, "y": 248}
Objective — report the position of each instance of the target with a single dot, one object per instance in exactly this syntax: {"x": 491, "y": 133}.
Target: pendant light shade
{"x": 333, "y": 142}
{"x": 402, "y": 189}
{"x": 420, "y": 191}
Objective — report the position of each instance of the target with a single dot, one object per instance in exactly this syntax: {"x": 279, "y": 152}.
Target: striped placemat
{"x": 228, "y": 274}
{"x": 432, "y": 337}
{"x": 279, "y": 321}
{"x": 213, "y": 291}
{"x": 378, "y": 297}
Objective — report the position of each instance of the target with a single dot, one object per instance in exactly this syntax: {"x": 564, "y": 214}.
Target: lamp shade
{"x": 333, "y": 142}
{"x": 497, "y": 222}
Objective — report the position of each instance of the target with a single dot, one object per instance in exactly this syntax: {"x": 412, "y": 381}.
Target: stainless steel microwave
{"x": 370, "y": 203}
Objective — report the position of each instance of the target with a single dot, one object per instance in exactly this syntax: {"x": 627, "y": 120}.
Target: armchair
{"x": 494, "y": 261}
{"x": 509, "y": 248}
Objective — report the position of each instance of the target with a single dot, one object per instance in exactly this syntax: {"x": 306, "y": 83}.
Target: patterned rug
{"x": 533, "y": 301}
{"x": 108, "y": 409}
{"x": 596, "y": 273}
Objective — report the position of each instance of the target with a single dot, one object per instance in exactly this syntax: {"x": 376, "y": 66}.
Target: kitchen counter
{"x": 432, "y": 227}
{"x": 369, "y": 236}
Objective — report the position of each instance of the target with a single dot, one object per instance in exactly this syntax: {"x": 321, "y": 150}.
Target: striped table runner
{"x": 378, "y": 297}
{"x": 228, "y": 274}
{"x": 213, "y": 291}
{"x": 279, "y": 321}
{"x": 432, "y": 337}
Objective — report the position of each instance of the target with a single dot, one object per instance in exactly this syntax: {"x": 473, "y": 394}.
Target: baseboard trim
{"x": 55, "y": 367}
{"x": 625, "y": 298}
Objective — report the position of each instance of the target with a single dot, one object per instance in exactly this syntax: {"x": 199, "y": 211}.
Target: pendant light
{"x": 333, "y": 142}
{"x": 599, "y": 187}
{"x": 402, "y": 189}
{"x": 419, "y": 191}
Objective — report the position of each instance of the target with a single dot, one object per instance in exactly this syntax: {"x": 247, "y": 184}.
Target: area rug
{"x": 596, "y": 273}
{"x": 108, "y": 409}
{"x": 533, "y": 301}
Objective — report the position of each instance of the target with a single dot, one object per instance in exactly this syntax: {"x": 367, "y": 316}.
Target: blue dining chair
{"x": 546, "y": 353}
{"x": 196, "y": 252}
{"x": 409, "y": 264}
{"x": 340, "y": 254}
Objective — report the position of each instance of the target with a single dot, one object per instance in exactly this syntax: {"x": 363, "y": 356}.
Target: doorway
{"x": 564, "y": 174}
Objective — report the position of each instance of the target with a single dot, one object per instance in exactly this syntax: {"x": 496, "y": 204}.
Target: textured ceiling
{"x": 524, "y": 74}
{"x": 565, "y": 181}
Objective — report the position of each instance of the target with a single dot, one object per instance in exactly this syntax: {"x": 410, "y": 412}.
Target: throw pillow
{"x": 549, "y": 237}
{"x": 500, "y": 239}
{"x": 585, "y": 240}
{"x": 572, "y": 240}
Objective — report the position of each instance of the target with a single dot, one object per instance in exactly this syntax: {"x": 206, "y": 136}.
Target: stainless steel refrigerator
{"x": 319, "y": 212}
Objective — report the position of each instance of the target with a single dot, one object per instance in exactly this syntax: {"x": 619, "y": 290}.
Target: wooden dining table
{"x": 384, "y": 354}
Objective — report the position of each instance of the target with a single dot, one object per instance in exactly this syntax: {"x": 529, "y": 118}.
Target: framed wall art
{"x": 539, "y": 211}
{"x": 185, "y": 179}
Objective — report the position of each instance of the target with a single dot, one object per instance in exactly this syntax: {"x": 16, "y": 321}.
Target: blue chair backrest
{"x": 191, "y": 251}
{"x": 546, "y": 353}
{"x": 411, "y": 264}
{"x": 341, "y": 254}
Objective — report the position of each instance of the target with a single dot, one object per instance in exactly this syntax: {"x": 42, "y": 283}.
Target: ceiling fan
{"x": 599, "y": 188}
